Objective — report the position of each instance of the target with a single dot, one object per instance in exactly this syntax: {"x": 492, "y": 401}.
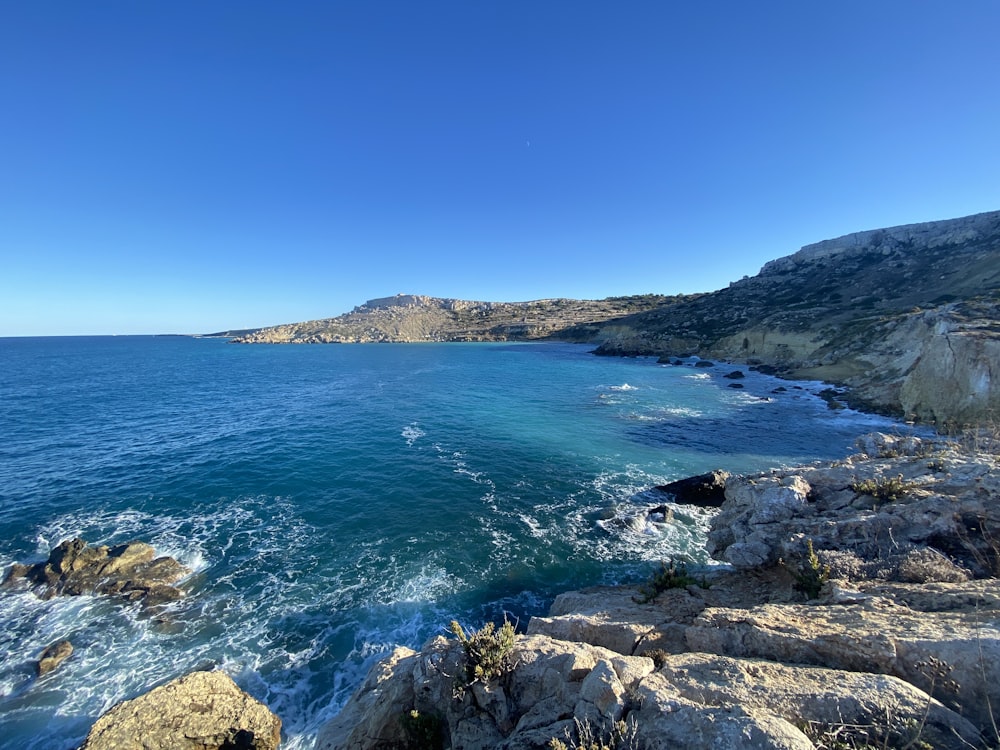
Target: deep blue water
{"x": 336, "y": 501}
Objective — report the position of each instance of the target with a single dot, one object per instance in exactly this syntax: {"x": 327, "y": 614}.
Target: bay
{"x": 336, "y": 501}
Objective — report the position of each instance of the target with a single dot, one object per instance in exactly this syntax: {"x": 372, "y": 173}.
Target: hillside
{"x": 411, "y": 318}
{"x": 907, "y": 317}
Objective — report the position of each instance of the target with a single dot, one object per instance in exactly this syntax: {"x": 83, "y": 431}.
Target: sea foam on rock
{"x": 900, "y": 645}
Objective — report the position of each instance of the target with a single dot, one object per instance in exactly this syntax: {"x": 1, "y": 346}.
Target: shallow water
{"x": 336, "y": 501}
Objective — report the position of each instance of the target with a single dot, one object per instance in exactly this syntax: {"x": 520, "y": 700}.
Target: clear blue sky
{"x": 190, "y": 166}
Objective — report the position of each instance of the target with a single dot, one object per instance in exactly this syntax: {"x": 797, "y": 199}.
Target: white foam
{"x": 623, "y": 387}
{"x": 412, "y": 433}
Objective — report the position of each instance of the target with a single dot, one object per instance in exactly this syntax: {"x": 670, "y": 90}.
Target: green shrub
{"x": 811, "y": 574}
{"x": 884, "y": 489}
{"x": 658, "y": 655}
{"x": 488, "y": 652}
{"x": 621, "y": 736}
{"x": 423, "y": 731}
{"x": 670, "y": 576}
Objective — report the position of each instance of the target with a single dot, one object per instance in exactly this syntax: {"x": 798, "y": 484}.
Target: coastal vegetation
{"x": 672, "y": 575}
{"x": 488, "y": 653}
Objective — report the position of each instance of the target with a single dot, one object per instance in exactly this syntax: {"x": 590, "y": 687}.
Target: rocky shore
{"x": 856, "y": 605}
{"x": 857, "y": 608}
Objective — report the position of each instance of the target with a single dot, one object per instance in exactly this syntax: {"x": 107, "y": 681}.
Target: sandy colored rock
{"x": 53, "y": 656}
{"x": 200, "y": 711}
{"x": 130, "y": 571}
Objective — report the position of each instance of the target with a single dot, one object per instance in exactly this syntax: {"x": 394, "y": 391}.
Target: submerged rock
{"x": 130, "y": 571}
{"x": 53, "y": 656}
{"x": 200, "y": 711}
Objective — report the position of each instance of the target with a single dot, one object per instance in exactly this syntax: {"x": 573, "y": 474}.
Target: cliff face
{"x": 411, "y": 318}
{"x": 908, "y": 317}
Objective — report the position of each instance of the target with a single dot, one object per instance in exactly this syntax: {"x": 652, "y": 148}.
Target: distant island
{"x": 907, "y": 318}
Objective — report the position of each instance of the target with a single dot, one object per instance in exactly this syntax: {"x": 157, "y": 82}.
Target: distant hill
{"x": 907, "y": 317}
{"x": 412, "y": 318}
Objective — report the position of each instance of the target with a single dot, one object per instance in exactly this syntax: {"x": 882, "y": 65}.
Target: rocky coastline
{"x": 857, "y": 608}
{"x": 856, "y": 604}
{"x": 906, "y": 318}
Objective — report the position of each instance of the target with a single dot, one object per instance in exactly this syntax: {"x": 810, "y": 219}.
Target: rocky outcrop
{"x": 899, "y": 495}
{"x": 130, "y": 571}
{"x": 852, "y": 613}
{"x": 200, "y": 711}
{"x": 907, "y": 317}
{"x": 414, "y": 317}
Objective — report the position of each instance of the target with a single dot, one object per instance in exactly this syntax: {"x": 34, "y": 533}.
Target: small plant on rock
{"x": 670, "y": 576}
{"x": 811, "y": 574}
{"x": 621, "y": 736}
{"x": 423, "y": 731}
{"x": 884, "y": 489}
{"x": 865, "y": 737}
{"x": 937, "y": 465}
{"x": 488, "y": 652}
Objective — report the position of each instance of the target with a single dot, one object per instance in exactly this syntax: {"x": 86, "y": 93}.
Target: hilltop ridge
{"x": 407, "y": 318}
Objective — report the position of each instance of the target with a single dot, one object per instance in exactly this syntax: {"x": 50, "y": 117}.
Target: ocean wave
{"x": 622, "y": 387}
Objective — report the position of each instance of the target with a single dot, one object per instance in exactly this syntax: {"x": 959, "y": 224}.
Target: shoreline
{"x": 754, "y": 623}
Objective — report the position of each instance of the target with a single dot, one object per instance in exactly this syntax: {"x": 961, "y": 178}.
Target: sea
{"x": 337, "y": 501}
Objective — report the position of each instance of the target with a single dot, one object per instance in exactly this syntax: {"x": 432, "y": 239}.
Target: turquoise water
{"x": 336, "y": 501}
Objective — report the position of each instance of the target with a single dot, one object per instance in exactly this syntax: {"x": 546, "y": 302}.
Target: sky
{"x": 197, "y": 165}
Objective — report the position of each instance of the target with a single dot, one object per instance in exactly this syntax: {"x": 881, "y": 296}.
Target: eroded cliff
{"x": 907, "y": 317}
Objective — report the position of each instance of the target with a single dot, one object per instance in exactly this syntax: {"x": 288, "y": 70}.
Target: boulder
{"x": 704, "y": 490}
{"x": 200, "y": 711}
{"x": 735, "y": 375}
{"x": 130, "y": 571}
{"x": 551, "y": 682}
{"x": 53, "y": 656}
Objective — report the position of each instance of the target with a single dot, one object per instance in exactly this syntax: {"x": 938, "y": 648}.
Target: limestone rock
{"x": 816, "y": 696}
{"x": 53, "y": 656}
{"x": 878, "y": 633}
{"x": 552, "y": 682}
{"x": 130, "y": 571}
{"x": 200, "y": 711}
{"x": 945, "y": 503}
